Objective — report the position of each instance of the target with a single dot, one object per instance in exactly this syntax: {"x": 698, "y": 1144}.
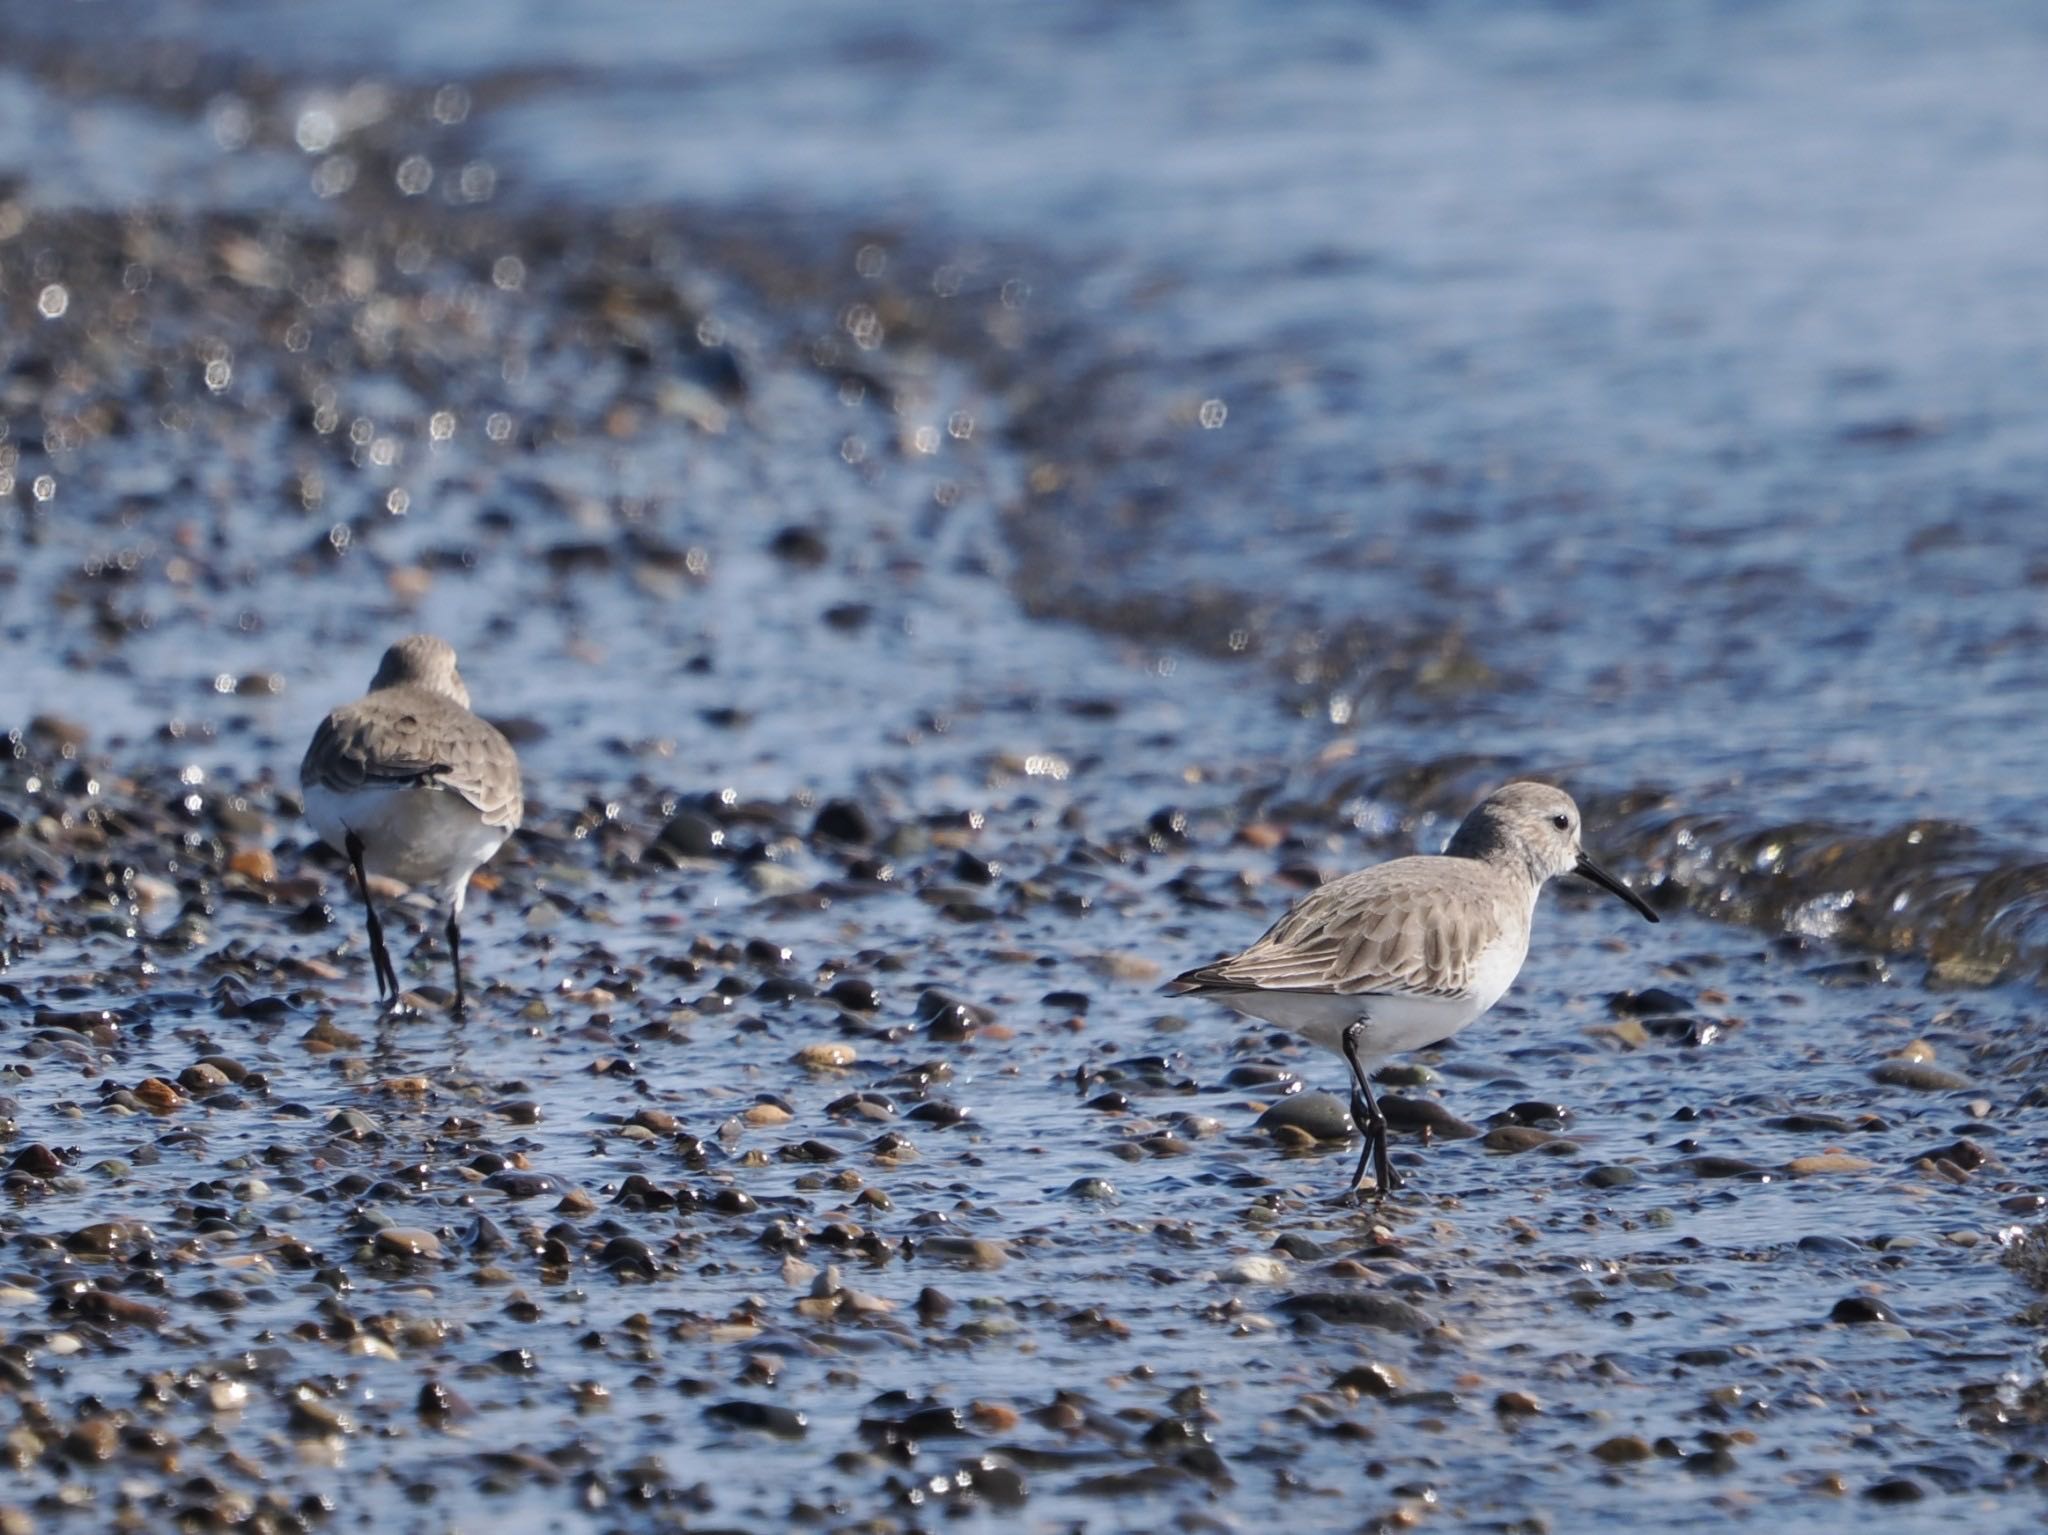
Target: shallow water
{"x": 1636, "y": 401}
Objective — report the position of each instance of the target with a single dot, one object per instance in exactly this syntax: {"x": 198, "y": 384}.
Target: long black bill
{"x": 1585, "y": 868}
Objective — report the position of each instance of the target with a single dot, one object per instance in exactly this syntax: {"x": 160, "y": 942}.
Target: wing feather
{"x": 1385, "y": 931}
{"x": 408, "y": 736}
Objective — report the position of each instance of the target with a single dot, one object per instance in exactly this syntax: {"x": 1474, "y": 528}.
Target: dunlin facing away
{"x": 407, "y": 783}
{"x": 1405, "y": 954}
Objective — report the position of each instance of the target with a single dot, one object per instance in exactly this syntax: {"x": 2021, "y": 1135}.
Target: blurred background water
{"x": 1685, "y": 359}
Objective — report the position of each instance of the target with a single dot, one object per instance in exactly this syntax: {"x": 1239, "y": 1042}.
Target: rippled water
{"x": 1640, "y": 397}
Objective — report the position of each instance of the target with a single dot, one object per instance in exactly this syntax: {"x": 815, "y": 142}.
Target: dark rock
{"x": 1545, "y": 1116}
{"x": 1811, "y": 1124}
{"x": 1721, "y": 1167}
{"x": 1357, "y": 1308}
{"x": 1647, "y": 1003}
{"x": 1265, "y": 1075}
{"x": 763, "y": 1417}
{"x": 1425, "y": 1116}
{"x": 1324, "y": 1116}
{"x": 1920, "y": 1076}
{"x": 690, "y": 834}
{"x": 1611, "y": 1175}
{"x": 1965, "y": 1154}
{"x": 1858, "y": 1310}
{"x": 854, "y": 993}
{"x": 800, "y": 546}
{"x": 843, "y": 821}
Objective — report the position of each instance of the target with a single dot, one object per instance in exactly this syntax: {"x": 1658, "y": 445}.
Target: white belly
{"x": 427, "y": 837}
{"x": 1393, "y": 1024}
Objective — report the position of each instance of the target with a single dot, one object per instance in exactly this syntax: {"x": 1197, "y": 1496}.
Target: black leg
{"x": 1372, "y": 1124}
{"x": 455, "y": 952}
{"x": 380, "y": 957}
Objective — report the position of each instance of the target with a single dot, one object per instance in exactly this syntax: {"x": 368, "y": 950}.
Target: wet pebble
{"x": 783, "y": 1422}
{"x": 1610, "y": 1175}
{"x": 1860, "y": 1310}
{"x": 407, "y": 1242}
{"x": 1919, "y": 1076}
{"x": 1714, "y": 1166}
{"x": 1623, "y": 1450}
{"x": 1319, "y": 1115}
{"x": 1357, "y": 1308}
{"x": 1425, "y": 1116}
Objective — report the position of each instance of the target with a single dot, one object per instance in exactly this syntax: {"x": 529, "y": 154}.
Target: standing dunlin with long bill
{"x": 1405, "y": 954}
{"x": 407, "y": 783}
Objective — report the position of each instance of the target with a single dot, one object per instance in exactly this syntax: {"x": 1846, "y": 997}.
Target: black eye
{"x": 1561, "y": 822}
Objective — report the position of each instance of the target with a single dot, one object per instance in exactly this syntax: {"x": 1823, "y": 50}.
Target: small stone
{"x": 764, "y": 1417}
{"x": 1919, "y": 1076}
{"x": 765, "y": 1115}
{"x": 1611, "y": 1175}
{"x": 201, "y": 1078}
{"x": 1516, "y": 1404}
{"x": 992, "y": 1417}
{"x": 830, "y": 1056}
{"x": 1827, "y": 1162}
{"x": 843, "y": 821}
{"x": 1651, "y": 1002}
{"x": 1255, "y": 1268}
{"x": 256, "y": 863}
{"x": 158, "y": 1096}
{"x": 967, "y": 1252}
{"x": 1513, "y": 1139}
{"x": 1425, "y": 1116}
{"x": 1860, "y": 1310}
{"x": 1377, "y": 1380}
{"x": 1721, "y": 1167}
{"x": 1623, "y": 1450}
{"x": 1320, "y": 1116}
{"x": 407, "y": 1242}
{"x": 1357, "y": 1308}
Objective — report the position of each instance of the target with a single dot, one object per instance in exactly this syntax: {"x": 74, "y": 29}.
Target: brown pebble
{"x": 1622, "y": 1450}
{"x": 1516, "y": 1404}
{"x": 1369, "y": 1380}
{"x": 407, "y": 1242}
{"x": 257, "y": 863}
{"x": 113, "y": 1307}
{"x": 201, "y": 1078}
{"x": 158, "y": 1096}
{"x": 1515, "y": 1138}
{"x": 1826, "y": 1162}
{"x": 92, "y": 1439}
{"x": 766, "y": 1114}
{"x": 992, "y": 1417}
{"x": 829, "y": 1056}
{"x": 968, "y": 1252}
{"x": 327, "y": 1036}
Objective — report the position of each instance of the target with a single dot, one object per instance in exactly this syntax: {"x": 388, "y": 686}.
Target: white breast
{"x": 1394, "y": 1025}
{"x": 427, "y": 837}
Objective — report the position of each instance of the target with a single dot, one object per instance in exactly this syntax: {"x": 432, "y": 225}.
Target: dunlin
{"x": 407, "y": 783}
{"x": 1405, "y": 954}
